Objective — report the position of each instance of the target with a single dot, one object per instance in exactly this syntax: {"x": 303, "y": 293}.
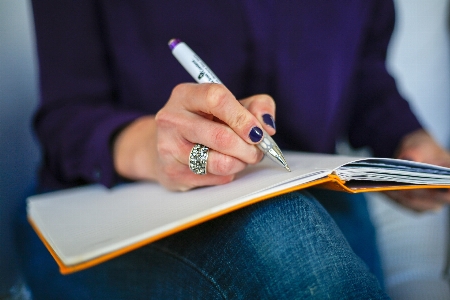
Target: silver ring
{"x": 198, "y": 159}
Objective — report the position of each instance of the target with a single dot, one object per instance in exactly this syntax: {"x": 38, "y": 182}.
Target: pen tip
{"x": 173, "y": 42}
{"x": 287, "y": 168}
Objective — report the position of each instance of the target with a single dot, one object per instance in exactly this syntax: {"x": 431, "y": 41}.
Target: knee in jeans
{"x": 281, "y": 229}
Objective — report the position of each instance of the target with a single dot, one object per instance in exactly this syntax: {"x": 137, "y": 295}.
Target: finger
{"x": 217, "y": 162}
{"x": 220, "y": 164}
{"x": 422, "y": 205}
{"x": 421, "y": 146}
{"x": 414, "y": 200}
{"x": 218, "y": 101}
{"x": 184, "y": 179}
{"x": 430, "y": 195}
{"x": 176, "y": 175}
{"x": 441, "y": 195}
{"x": 218, "y": 137}
{"x": 263, "y": 107}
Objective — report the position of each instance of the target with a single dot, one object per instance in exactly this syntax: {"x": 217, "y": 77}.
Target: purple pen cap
{"x": 173, "y": 43}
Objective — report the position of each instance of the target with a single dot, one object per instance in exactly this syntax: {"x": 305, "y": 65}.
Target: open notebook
{"x": 88, "y": 225}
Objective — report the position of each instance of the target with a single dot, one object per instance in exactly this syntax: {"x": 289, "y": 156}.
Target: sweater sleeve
{"x": 78, "y": 112}
{"x": 381, "y": 116}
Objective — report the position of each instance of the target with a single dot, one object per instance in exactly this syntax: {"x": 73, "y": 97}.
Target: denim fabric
{"x": 287, "y": 247}
{"x": 351, "y": 214}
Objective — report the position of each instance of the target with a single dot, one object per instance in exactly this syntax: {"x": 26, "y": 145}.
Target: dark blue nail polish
{"x": 268, "y": 119}
{"x": 256, "y": 134}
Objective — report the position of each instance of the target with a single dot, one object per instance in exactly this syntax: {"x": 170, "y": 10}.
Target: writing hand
{"x": 158, "y": 147}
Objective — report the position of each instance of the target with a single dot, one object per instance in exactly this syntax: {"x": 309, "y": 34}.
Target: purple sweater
{"x": 105, "y": 63}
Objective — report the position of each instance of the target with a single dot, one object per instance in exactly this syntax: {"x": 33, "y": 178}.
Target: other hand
{"x": 421, "y": 147}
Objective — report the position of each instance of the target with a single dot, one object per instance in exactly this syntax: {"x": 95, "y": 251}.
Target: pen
{"x": 203, "y": 74}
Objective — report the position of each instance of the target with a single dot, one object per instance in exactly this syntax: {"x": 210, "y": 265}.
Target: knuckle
{"x": 224, "y": 165}
{"x": 263, "y": 101}
{"x": 216, "y": 96}
{"x": 179, "y": 89}
{"x": 163, "y": 117}
{"x": 163, "y": 149}
{"x": 169, "y": 119}
{"x": 222, "y": 138}
{"x": 173, "y": 174}
{"x": 267, "y": 99}
{"x": 239, "y": 119}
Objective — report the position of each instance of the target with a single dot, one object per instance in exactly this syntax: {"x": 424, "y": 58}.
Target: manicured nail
{"x": 268, "y": 119}
{"x": 256, "y": 134}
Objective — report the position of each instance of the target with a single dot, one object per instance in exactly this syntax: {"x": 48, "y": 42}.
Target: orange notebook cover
{"x": 86, "y": 226}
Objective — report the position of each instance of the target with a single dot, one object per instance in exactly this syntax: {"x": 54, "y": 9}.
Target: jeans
{"x": 351, "y": 214}
{"x": 287, "y": 247}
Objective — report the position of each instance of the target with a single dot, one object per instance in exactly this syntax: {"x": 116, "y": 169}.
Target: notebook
{"x": 88, "y": 225}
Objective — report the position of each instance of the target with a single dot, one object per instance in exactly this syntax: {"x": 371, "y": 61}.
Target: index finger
{"x": 216, "y": 100}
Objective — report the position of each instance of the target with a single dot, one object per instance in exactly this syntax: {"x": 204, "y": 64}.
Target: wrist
{"x": 133, "y": 149}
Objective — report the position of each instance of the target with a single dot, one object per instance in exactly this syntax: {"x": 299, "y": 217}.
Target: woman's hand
{"x": 158, "y": 147}
{"x": 420, "y": 146}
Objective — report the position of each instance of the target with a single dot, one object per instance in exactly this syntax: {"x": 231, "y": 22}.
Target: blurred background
{"x": 18, "y": 150}
{"x": 414, "y": 246}
{"x": 419, "y": 57}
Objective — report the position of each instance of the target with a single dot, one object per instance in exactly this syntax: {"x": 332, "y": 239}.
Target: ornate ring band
{"x": 198, "y": 159}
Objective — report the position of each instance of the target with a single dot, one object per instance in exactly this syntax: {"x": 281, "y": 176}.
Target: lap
{"x": 351, "y": 214}
{"x": 285, "y": 247}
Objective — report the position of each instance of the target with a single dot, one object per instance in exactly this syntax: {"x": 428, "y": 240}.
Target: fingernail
{"x": 268, "y": 119}
{"x": 256, "y": 134}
